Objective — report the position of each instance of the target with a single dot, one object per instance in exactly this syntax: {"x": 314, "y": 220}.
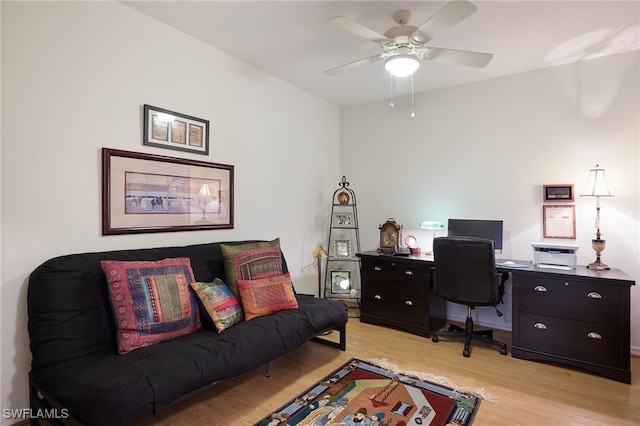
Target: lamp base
{"x": 598, "y": 245}
{"x": 598, "y": 265}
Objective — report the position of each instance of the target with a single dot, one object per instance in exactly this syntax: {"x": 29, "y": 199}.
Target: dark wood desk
{"x": 576, "y": 317}
{"x": 396, "y": 292}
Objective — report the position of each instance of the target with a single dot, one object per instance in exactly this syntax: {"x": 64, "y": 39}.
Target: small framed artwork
{"x": 343, "y": 220}
{"x": 559, "y": 222}
{"x": 169, "y": 129}
{"x": 340, "y": 282}
{"x": 151, "y": 193}
{"x": 342, "y": 248}
{"x": 558, "y": 193}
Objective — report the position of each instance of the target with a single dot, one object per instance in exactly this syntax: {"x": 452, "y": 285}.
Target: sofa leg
{"x": 342, "y": 344}
{"x": 266, "y": 370}
{"x": 41, "y": 402}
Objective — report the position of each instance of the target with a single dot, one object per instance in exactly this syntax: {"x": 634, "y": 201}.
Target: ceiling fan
{"x": 404, "y": 46}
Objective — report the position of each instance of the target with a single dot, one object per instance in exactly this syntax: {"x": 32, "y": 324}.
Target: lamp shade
{"x": 430, "y": 224}
{"x": 401, "y": 65}
{"x": 204, "y": 190}
{"x": 319, "y": 253}
{"x": 596, "y": 184}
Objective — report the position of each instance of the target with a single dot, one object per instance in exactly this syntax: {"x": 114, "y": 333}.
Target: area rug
{"x": 366, "y": 394}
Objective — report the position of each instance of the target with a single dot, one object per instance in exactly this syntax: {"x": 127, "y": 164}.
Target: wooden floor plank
{"x": 524, "y": 392}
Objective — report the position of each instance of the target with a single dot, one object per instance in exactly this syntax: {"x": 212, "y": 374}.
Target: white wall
{"x": 74, "y": 78}
{"x": 484, "y": 150}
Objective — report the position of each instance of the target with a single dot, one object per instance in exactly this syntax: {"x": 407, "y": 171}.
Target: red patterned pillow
{"x": 151, "y": 301}
{"x": 251, "y": 263}
{"x": 267, "y": 295}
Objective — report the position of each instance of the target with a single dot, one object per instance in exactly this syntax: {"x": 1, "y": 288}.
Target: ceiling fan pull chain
{"x": 413, "y": 114}
{"x": 391, "y": 104}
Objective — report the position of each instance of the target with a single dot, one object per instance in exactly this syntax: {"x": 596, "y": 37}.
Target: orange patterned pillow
{"x": 266, "y": 295}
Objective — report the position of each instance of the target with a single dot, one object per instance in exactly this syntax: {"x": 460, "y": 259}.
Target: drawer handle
{"x": 540, "y": 326}
{"x": 594, "y": 335}
{"x": 540, "y": 288}
{"x": 594, "y": 295}
{"x": 377, "y": 268}
{"x": 409, "y": 302}
{"x": 377, "y": 297}
{"x": 408, "y": 272}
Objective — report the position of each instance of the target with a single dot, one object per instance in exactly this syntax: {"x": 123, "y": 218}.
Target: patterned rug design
{"x": 361, "y": 393}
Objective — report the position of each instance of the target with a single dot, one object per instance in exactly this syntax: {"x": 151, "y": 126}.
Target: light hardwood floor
{"x": 523, "y": 392}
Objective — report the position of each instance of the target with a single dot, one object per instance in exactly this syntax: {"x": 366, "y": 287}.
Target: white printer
{"x": 555, "y": 256}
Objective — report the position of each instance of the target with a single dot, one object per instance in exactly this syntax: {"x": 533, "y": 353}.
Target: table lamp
{"x": 319, "y": 254}
{"x": 433, "y": 226}
{"x": 597, "y": 187}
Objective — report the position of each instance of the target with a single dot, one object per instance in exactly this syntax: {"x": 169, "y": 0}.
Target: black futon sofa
{"x": 78, "y": 373}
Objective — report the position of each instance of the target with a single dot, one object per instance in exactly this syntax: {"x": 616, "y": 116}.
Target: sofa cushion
{"x": 250, "y": 261}
{"x": 220, "y": 308}
{"x": 151, "y": 301}
{"x": 267, "y": 295}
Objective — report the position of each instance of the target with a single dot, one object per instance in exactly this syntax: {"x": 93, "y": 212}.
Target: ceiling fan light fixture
{"x": 402, "y": 65}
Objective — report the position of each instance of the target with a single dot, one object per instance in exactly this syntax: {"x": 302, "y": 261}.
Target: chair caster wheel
{"x": 466, "y": 353}
{"x": 503, "y": 351}
{"x": 434, "y": 339}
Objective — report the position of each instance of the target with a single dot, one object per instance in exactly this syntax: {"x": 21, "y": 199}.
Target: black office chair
{"x": 465, "y": 272}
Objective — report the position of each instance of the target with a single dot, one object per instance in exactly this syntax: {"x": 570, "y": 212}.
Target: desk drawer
{"x": 390, "y": 269}
{"x": 394, "y": 303}
{"x": 576, "y": 340}
{"x": 570, "y": 298}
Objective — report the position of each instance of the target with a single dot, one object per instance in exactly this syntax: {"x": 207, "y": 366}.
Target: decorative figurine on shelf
{"x": 390, "y": 236}
{"x": 343, "y": 198}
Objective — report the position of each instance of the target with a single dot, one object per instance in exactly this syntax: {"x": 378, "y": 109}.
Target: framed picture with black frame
{"x": 173, "y": 130}
{"x": 558, "y": 193}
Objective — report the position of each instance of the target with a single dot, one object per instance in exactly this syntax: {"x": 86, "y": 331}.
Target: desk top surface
{"x": 614, "y": 275}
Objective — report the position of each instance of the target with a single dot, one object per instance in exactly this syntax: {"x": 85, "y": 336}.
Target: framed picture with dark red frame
{"x": 152, "y": 193}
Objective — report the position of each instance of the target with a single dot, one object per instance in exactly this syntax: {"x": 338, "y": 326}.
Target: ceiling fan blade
{"x": 359, "y": 29}
{"x": 459, "y": 57}
{"x": 452, "y": 13}
{"x": 352, "y": 65}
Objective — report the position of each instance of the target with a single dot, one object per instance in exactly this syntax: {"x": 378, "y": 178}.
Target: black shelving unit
{"x": 342, "y": 278}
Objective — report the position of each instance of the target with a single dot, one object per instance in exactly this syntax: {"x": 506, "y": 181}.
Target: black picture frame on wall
{"x": 172, "y": 130}
{"x": 558, "y": 193}
{"x": 143, "y": 193}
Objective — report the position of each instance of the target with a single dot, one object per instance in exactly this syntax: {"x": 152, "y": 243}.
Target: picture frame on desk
{"x": 559, "y": 221}
{"x": 558, "y": 193}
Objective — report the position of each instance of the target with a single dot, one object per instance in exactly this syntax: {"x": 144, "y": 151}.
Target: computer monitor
{"x": 489, "y": 229}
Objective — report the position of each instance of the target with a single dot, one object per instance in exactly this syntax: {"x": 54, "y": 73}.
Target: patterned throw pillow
{"x": 267, "y": 295}
{"x": 221, "y": 309}
{"x": 250, "y": 261}
{"x": 151, "y": 301}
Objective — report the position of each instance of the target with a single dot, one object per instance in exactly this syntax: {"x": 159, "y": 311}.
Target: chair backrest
{"x": 464, "y": 270}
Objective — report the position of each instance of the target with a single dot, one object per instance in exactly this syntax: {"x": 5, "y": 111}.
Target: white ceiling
{"x": 295, "y": 41}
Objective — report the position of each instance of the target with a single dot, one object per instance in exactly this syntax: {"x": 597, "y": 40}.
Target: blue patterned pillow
{"x": 151, "y": 301}
{"x": 220, "y": 308}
